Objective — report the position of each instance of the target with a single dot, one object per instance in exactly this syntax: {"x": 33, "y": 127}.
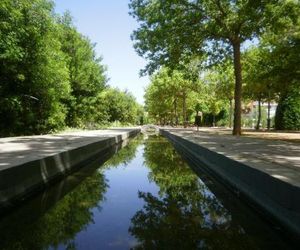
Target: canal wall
{"x": 40, "y": 164}
{"x": 279, "y": 201}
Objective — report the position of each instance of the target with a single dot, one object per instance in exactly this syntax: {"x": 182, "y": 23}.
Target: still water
{"x": 144, "y": 197}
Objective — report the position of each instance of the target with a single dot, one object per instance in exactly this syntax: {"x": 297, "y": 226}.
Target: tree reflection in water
{"x": 124, "y": 156}
{"x": 185, "y": 214}
{"x": 55, "y": 217}
{"x": 60, "y": 224}
{"x": 179, "y": 212}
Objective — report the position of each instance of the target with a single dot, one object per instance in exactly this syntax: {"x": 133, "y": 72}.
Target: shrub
{"x": 288, "y": 111}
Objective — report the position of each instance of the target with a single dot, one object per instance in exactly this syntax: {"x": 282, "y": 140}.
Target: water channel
{"x": 144, "y": 197}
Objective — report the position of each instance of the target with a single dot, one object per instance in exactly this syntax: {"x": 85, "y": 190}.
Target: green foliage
{"x": 281, "y": 52}
{"x": 272, "y": 72}
{"x": 120, "y": 106}
{"x": 256, "y": 70}
{"x": 87, "y": 78}
{"x": 172, "y": 33}
{"x": 168, "y": 97}
{"x": 288, "y": 111}
{"x": 165, "y": 96}
{"x": 50, "y": 76}
{"x": 33, "y": 73}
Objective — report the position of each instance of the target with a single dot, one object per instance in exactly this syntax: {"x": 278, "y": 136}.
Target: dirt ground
{"x": 291, "y": 136}
{"x": 274, "y": 135}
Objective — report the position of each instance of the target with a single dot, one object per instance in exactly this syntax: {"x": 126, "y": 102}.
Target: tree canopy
{"x": 50, "y": 75}
{"x": 171, "y": 32}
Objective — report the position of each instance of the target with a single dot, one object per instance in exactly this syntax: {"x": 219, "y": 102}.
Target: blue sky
{"x": 107, "y": 23}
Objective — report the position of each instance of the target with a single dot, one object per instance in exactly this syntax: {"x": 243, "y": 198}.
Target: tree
{"x": 288, "y": 111}
{"x": 33, "y": 72}
{"x": 258, "y": 85}
{"x": 120, "y": 106}
{"x": 271, "y": 71}
{"x": 160, "y": 101}
{"x": 168, "y": 95}
{"x": 216, "y": 94}
{"x": 172, "y": 30}
{"x": 225, "y": 85}
{"x": 50, "y": 75}
{"x": 86, "y": 73}
{"x": 281, "y": 52}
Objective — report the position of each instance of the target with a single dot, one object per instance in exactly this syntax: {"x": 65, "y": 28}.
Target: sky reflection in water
{"x": 144, "y": 197}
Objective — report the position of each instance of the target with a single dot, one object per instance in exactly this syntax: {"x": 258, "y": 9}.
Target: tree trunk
{"x": 238, "y": 87}
{"x": 269, "y": 109}
{"x": 259, "y": 115}
{"x": 230, "y": 113}
{"x": 172, "y": 119}
{"x": 184, "y": 110}
{"x": 175, "y": 110}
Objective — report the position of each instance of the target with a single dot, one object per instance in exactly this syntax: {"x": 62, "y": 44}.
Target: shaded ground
{"x": 277, "y": 156}
{"x": 19, "y": 150}
{"x": 276, "y": 135}
{"x": 291, "y": 136}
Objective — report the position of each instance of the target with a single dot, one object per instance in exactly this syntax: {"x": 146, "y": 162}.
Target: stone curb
{"x": 21, "y": 181}
{"x": 277, "y": 199}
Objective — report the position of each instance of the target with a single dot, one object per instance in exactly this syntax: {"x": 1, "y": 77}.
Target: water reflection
{"x": 144, "y": 197}
{"x": 177, "y": 182}
{"x": 60, "y": 224}
{"x": 185, "y": 214}
{"x": 54, "y": 218}
{"x": 126, "y": 155}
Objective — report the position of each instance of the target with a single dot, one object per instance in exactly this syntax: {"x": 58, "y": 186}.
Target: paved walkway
{"x": 18, "y": 150}
{"x": 290, "y": 136}
{"x": 280, "y": 159}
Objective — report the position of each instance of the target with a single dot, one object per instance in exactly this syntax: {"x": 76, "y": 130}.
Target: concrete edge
{"x": 278, "y": 200}
{"x": 20, "y": 182}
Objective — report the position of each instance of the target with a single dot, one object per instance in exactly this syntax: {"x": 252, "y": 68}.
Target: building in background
{"x": 250, "y": 114}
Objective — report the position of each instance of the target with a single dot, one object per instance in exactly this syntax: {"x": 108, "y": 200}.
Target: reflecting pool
{"x": 143, "y": 197}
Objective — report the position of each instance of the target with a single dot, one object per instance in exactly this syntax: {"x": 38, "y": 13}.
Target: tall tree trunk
{"x": 176, "y": 113}
{"x": 230, "y": 113}
{"x": 269, "y": 110}
{"x": 259, "y": 114}
{"x": 184, "y": 109}
{"x": 172, "y": 119}
{"x": 238, "y": 87}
